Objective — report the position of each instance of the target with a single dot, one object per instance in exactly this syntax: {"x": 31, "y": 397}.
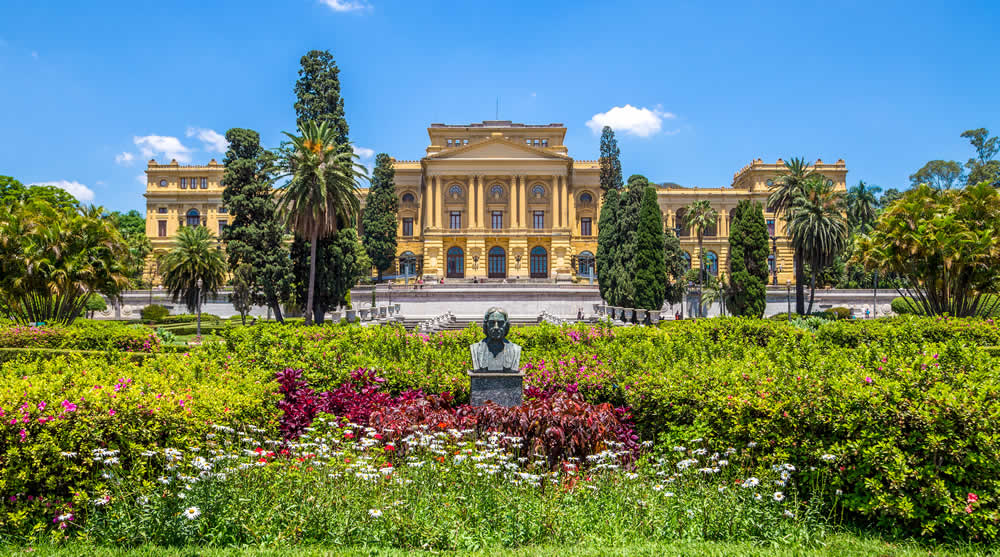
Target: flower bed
{"x": 84, "y": 335}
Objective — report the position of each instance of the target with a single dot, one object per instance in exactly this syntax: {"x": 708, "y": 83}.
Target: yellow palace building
{"x": 495, "y": 200}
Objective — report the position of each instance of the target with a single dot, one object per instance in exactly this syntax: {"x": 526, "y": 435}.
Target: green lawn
{"x": 841, "y": 545}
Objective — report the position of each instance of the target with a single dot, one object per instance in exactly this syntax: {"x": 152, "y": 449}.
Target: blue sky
{"x": 697, "y": 90}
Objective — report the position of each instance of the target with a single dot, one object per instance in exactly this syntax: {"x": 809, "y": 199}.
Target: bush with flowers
{"x": 82, "y": 335}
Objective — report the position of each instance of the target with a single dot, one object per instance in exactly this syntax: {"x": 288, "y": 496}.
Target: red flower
{"x": 972, "y": 498}
{"x": 390, "y": 447}
{"x": 378, "y": 436}
{"x": 258, "y": 450}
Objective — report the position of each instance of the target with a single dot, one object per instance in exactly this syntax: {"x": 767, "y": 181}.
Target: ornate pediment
{"x": 497, "y": 148}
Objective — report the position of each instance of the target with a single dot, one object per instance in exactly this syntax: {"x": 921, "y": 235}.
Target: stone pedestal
{"x": 504, "y": 389}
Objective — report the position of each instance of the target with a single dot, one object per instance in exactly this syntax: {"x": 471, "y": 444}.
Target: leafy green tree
{"x": 13, "y": 191}
{"x": 195, "y": 257}
{"x": 748, "y": 251}
{"x": 242, "y": 295}
{"x": 862, "y": 207}
{"x": 786, "y": 189}
{"x": 650, "y": 269}
{"x": 889, "y": 197}
{"x": 946, "y": 246}
{"x": 132, "y": 226}
{"x": 700, "y": 216}
{"x": 818, "y": 227}
{"x": 317, "y": 97}
{"x": 95, "y": 303}
{"x": 611, "y": 165}
{"x": 607, "y": 231}
{"x": 379, "y": 217}
{"x": 983, "y": 168}
{"x": 322, "y": 193}
{"x": 53, "y": 258}
{"x": 677, "y": 268}
{"x": 256, "y": 236}
{"x": 939, "y": 174}
{"x": 347, "y": 263}
{"x": 625, "y": 244}
{"x": 717, "y": 291}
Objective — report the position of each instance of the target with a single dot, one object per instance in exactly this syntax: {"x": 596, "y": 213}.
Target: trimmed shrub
{"x": 83, "y": 335}
{"x": 154, "y": 313}
{"x": 839, "y": 313}
{"x": 901, "y": 307}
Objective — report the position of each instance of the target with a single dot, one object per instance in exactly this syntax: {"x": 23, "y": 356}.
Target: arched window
{"x": 193, "y": 218}
{"x": 712, "y": 263}
{"x": 455, "y": 191}
{"x": 687, "y": 259}
{"x": 498, "y": 262}
{"x": 456, "y": 262}
{"x": 539, "y": 262}
{"x": 585, "y": 262}
{"x": 496, "y": 192}
{"x": 408, "y": 198}
{"x": 538, "y": 191}
{"x": 408, "y": 264}
{"x": 586, "y": 198}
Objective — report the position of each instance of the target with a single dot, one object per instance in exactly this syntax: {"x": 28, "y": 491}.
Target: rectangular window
{"x": 770, "y": 227}
{"x": 456, "y": 220}
{"x": 184, "y": 183}
{"x": 497, "y": 220}
{"x": 408, "y": 226}
{"x": 161, "y": 228}
{"x": 204, "y": 183}
{"x": 585, "y": 226}
{"x": 223, "y": 211}
{"x": 538, "y": 218}
{"x": 161, "y": 210}
{"x": 223, "y": 225}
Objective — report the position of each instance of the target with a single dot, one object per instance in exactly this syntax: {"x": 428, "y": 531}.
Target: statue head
{"x": 496, "y": 324}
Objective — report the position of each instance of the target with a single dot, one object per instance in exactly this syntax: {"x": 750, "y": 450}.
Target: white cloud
{"x": 346, "y": 5}
{"x": 169, "y": 146}
{"x": 125, "y": 158}
{"x": 213, "y": 140}
{"x": 364, "y": 152}
{"x": 642, "y": 122}
{"x": 76, "y": 189}
{"x": 141, "y": 179}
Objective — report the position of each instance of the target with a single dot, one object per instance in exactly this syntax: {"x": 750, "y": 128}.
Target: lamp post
{"x": 774, "y": 256}
{"x": 788, "y": 296}
{"x": 200, "y": 283}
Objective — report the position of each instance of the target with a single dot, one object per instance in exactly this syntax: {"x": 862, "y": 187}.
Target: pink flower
{"x": 869, "y": 380}
{"x": 968, "y": 509}
{"x": 111, "y": 412}
{"x": 23, "y": 434}
{"x": 972, "y": 498}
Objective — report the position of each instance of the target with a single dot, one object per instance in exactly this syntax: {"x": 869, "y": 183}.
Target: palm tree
{"x": 717, "y": 291}
{"x": 818, "y": 227}
{"x": 193, "y": 268}
{"x": 862, "y": 207}
{"x": 323, "y": 190}
{"x": 700, "y": 216}
{"x": 786, "y": 189}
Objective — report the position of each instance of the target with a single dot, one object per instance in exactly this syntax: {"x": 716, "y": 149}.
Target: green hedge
{"x": 83, "y": 335}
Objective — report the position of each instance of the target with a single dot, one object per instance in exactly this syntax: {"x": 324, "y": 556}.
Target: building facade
{"x": 496, "y": 200}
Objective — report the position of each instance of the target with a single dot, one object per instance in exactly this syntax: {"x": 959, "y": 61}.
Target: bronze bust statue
{"x": 495, "y": 354}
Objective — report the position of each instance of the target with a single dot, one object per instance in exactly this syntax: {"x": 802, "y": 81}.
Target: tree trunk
{"x": 379, "y": 276}
{"x": 312, "y": 276}
{"x": 273, "y": 302}
{"x": 800, "y": 283}
{"x": 812, "y": 287}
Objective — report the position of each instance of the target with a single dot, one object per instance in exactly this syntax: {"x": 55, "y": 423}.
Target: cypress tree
{"x": 748, "y": 260}
{"x": 317, "y": 99}
{"x": 255, "y": 237}
{"x": 676, "y": 268}
{"x": 607, "y": 230}
{"x": 379, "y": 218}
{"x": 345, "y": 262}
{"x": 611, "y": 166}
{"x": 624, "y": 253}
{"x": 650, "y": 275}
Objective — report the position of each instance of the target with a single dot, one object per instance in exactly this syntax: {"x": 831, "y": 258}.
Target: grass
{"x": 839, "y": 545}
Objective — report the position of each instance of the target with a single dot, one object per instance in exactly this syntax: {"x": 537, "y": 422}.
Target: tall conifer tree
{"x": 255, "y": 237}
{"x": 677, "y": 268}
{"x": 379, "y": 218}
{"x": 317, "y": 99}
{"x": 748, "y": 260}
{"x": 611, "y": 166}
{"x": 650, "y": 271}
{"x": 607, "y": 231}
